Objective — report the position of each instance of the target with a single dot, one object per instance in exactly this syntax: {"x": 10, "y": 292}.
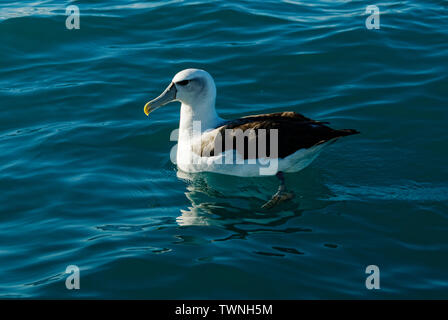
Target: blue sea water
{"x": 86, "y": 178}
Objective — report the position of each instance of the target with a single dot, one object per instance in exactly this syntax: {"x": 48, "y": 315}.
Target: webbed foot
{"x": 279, "y": 197}
{"x": 282, "y": 194}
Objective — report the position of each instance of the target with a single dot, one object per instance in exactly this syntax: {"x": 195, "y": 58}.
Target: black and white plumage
{"x": 300, "y": 139}
{"x": 295, "y": 132}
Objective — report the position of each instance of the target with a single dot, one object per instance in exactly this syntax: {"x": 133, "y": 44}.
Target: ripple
{"x": 86, "y": 178}
{"x": 419, "y": 192}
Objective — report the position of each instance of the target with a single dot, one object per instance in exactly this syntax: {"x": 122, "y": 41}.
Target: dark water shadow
{"x": 234, "y": 203}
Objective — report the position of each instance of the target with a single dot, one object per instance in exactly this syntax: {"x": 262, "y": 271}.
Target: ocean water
{"x": 86, "y": 178}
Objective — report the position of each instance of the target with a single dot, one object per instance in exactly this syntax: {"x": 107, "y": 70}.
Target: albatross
{"x": 203, "y": 143}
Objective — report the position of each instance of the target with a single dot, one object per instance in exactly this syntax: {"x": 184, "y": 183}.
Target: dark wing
{"x": 295, "y": 132}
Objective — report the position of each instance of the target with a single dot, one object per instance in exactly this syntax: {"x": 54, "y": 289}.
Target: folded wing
{"x": 295, "y": 132}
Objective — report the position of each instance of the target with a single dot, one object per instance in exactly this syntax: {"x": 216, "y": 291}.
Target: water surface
{"x": 86, "y": 178}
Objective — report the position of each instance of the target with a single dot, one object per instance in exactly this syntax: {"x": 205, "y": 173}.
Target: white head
{"x": 194, "y": 88}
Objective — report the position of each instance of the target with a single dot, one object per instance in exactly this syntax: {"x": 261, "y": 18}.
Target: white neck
{"x": 203, "y": 114}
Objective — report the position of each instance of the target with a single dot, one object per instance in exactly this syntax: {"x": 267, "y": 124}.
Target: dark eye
{"x": 183, "y": 82}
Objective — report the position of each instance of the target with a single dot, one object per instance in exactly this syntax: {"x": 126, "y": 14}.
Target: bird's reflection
{"x": 234, "y": 203}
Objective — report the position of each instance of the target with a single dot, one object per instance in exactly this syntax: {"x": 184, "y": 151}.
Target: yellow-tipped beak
{"x": 166, "y": 97}
{"x": 147, "y": 108}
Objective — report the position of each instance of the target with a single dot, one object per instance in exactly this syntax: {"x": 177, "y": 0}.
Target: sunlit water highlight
{"x": 86, "y": 178}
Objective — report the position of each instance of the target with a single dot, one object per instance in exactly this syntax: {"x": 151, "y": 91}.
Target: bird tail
{"x": 347, "y": 132}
